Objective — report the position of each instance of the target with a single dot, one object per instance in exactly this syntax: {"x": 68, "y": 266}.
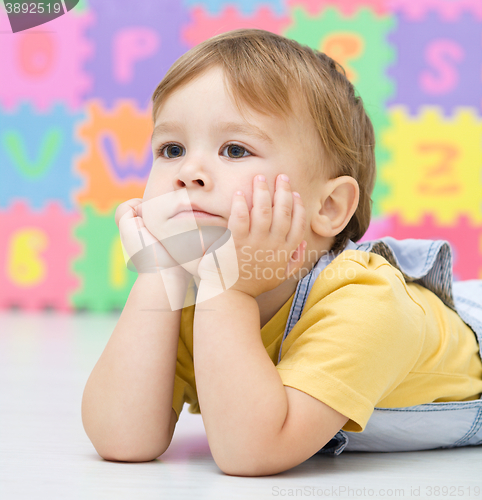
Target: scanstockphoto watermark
{"x": 249, "y": 264}
{"x": 413, "y": 491}
{"x": 338, "y": 491}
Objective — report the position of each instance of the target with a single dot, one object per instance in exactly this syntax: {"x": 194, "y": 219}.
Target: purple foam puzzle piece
{"x": 135, "y": 44}
{"x": 438, "y": 63}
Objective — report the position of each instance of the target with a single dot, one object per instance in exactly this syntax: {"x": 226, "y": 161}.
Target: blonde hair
{"x": 264, "y": 70}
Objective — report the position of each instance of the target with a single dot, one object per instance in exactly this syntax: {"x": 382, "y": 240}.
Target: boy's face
{"x": 212, "y": 162}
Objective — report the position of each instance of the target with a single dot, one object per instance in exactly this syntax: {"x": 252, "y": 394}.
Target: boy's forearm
{"x": 127, "y": 401}
{"x": 241, "y": 395}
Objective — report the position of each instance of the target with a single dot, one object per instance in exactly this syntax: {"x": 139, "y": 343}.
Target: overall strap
{"x": 426, "y": 262}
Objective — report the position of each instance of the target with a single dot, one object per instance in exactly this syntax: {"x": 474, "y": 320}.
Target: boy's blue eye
{"x": 236, "y": 151}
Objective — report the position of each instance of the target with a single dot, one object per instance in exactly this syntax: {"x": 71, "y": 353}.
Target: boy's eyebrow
{"x": 252, "y": 130}
{"x": 233, "y": 127}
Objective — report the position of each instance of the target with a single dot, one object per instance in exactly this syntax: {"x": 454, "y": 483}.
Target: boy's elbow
{"x": 116, "y": 448}
{"x": 134, "y": 456}
{"x": 250, "y": 468}
{"x": 130, "y": 454}
{"x": 244, "y": 464}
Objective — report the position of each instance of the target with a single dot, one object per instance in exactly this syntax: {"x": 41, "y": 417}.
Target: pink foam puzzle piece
{"x": 346, "y": 7}
{"x": 205, "y": 25}
{"x": 464, "y": 237}
{"x": 46, "y": 66}
{"x": 378, "y": 228}
{"x": 36, "y": 250}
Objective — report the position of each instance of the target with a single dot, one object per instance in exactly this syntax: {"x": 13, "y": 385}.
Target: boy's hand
{"x": 269, "y": 240}
{"x": 145, "y": 254}
{"x": 142, "y": 250}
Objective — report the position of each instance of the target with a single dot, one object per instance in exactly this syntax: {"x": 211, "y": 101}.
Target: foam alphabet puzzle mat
{"x": 76, "y": 124}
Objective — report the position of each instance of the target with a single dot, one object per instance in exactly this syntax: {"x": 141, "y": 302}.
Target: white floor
{"x": 45, "y": 360}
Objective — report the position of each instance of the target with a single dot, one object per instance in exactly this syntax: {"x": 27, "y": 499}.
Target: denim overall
{"x": 424, "y": 426}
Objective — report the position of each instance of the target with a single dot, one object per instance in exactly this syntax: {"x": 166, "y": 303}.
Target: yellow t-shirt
{"x": 366, "y": 339}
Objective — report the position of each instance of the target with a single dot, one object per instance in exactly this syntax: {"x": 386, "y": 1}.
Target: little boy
{"x": 318, "y": 337}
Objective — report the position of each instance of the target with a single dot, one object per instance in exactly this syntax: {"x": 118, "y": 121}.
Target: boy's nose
{"x": 180, "y": 183}
{"x": 191, "y": 176}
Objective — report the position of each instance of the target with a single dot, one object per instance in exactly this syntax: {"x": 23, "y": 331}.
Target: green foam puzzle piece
{"x": 106, "y": 281}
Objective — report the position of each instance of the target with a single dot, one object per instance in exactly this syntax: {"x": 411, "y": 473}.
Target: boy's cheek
{"x": 148, "y": 189}
{"x": 154, "y": 186}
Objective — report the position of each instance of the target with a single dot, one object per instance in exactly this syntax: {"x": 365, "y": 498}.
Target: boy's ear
{"x": 336, "y": 206}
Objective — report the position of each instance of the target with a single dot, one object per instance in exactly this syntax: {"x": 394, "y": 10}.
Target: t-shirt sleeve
{"x": 357, "y": 343}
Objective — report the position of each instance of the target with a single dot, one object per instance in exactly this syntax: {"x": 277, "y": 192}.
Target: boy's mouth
{"x": 196, "y": 213}
{"x": 191, "y": 210}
